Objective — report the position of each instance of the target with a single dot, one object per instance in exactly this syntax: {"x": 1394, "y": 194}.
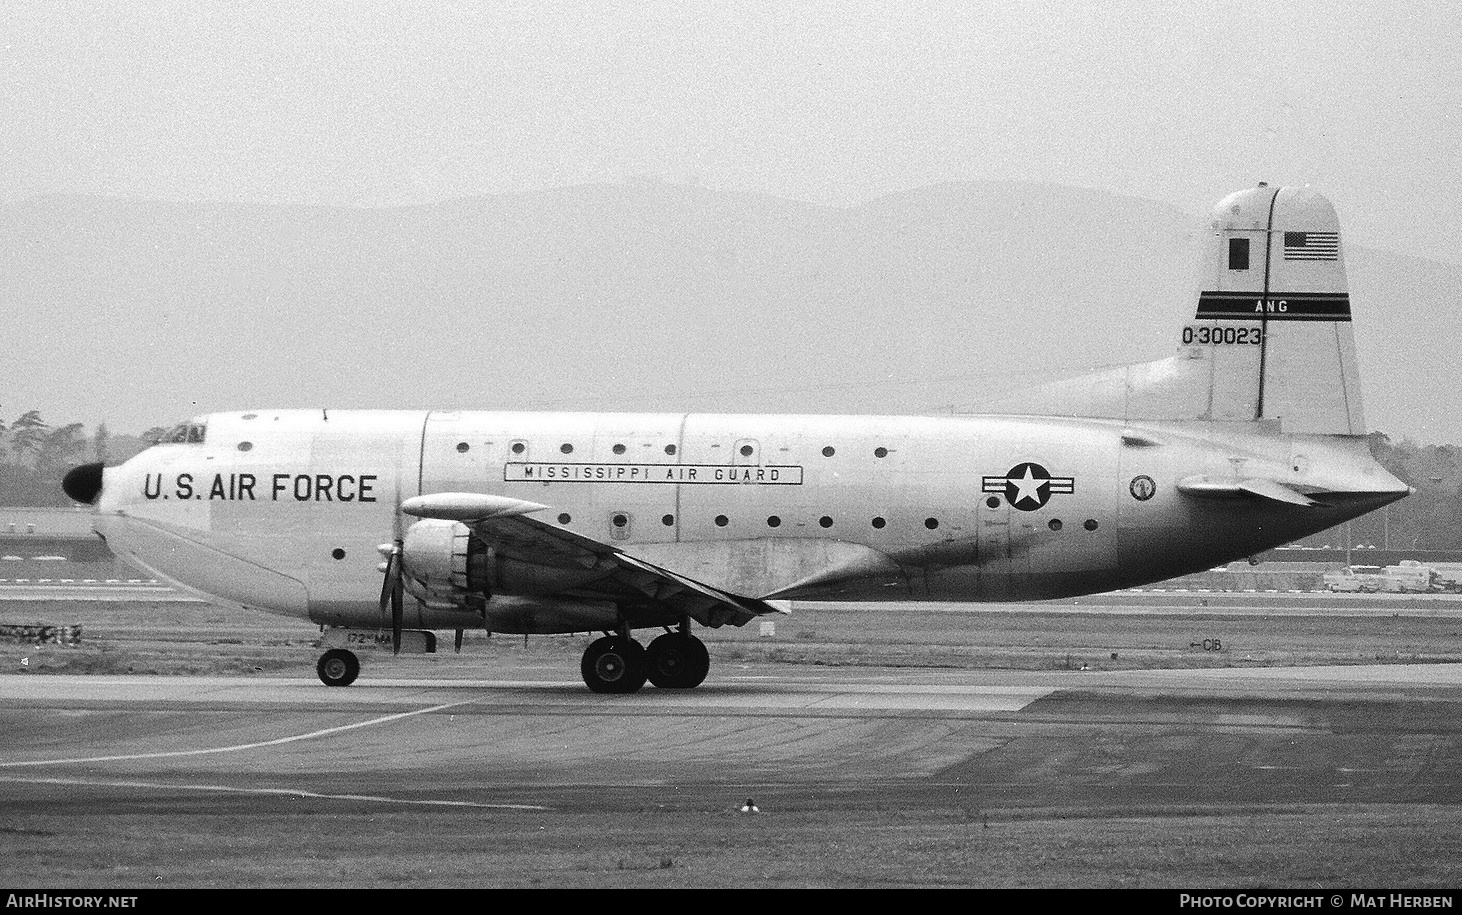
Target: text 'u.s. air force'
{"x": 276, "y": 487}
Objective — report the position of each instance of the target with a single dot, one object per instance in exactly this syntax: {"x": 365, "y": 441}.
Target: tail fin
{"x": 1276, "y": 316}
{"x": 1271, "y": 340}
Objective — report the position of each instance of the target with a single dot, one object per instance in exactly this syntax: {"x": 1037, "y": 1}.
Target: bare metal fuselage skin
{"x": 284, "y": 511}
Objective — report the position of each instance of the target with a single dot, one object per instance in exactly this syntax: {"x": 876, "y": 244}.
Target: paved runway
{"x": 1243, "y": 768}
{"x": 1006, "y": 739}
{"x": 864, "y": 776}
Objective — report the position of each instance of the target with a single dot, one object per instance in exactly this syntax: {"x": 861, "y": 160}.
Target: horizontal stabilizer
{"x": 1254, "y": 486}
{"x": 467, "y": 506}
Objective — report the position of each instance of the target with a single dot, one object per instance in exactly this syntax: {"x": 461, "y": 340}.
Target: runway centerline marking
{"x": 242, "y": 746}
{"x": 287, "y": 792}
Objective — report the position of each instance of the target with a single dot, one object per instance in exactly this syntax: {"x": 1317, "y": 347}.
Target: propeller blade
{"x": 397, "y": 609}
{"x": 386, "y": 567}
{"x": 393, "y": 581}
{"x": 392, "y": 590}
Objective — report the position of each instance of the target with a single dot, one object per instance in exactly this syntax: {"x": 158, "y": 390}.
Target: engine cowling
{"x": 436, "y": 561}
{"x": 448, "y": 568}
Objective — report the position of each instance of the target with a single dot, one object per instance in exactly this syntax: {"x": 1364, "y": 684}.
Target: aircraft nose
{"x": 84, "y": 483}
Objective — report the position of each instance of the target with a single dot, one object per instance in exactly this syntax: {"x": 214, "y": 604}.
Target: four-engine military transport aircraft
{"x": 1251, "y": 436}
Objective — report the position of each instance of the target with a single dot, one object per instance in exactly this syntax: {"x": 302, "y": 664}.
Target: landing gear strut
{"x": 338, "y": 667}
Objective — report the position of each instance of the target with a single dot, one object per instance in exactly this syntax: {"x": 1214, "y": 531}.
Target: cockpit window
{"x": 185, "y": 434}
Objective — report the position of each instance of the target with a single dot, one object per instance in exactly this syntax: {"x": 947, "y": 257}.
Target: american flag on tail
{"x": 1311, "y": 246}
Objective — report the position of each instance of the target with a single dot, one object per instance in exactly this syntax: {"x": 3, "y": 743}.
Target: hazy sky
{"x": 371, "y": 104}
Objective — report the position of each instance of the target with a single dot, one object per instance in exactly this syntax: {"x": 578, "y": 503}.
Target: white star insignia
{"x": 1027, "y": 487}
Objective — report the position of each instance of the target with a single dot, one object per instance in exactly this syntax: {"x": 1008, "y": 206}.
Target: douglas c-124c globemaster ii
{"x": 1251, "y": 436}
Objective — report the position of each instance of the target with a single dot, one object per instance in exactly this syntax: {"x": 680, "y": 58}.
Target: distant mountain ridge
{"x": 643, "y": 297}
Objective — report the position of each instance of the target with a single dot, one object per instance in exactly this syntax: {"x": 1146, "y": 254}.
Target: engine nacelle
{"x": 448, "y": 568}
{"x": 436, "y": 558}
{"x": 543, "y": 616}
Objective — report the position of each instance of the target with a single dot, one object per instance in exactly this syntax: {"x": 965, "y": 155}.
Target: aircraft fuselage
{"x": 284, "y": 510}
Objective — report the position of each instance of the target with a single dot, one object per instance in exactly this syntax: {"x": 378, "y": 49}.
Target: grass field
{"x": 1388, "y": 847}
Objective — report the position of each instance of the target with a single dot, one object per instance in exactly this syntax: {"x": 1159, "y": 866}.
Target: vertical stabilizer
{"x": 1274, "y": 322}
{"x": 1271, "y": 339}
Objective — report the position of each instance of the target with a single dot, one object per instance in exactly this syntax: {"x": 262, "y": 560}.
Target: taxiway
{"x": 1007, "y": 738}
{"x": 253, "y": 776}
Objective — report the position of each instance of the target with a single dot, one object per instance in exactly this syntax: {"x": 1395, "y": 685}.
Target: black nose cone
{"x": 84, "y": 483}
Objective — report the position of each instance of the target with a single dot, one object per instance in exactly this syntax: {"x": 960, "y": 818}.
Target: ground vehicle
{"x": 1354, "y": 579}
{"x": 1409, "y": 577}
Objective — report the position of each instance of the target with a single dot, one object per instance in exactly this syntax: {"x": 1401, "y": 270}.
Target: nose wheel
{"x": 338, "y": 667}
{"x": 614, "y": 664}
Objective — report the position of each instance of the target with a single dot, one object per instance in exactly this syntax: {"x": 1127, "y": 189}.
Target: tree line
{"x": 1429, "y": 519}
{"x": 35, "y": 454}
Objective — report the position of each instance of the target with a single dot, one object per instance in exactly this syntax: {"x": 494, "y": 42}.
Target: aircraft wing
{"x": 506, "y": 525}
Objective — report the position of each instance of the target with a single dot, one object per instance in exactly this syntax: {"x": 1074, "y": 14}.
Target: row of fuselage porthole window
{"x": 620, "y": 520}
{"x": 773, "y": 520}
{"x": 566, "y": 448}
{"x": 746, "y": 450}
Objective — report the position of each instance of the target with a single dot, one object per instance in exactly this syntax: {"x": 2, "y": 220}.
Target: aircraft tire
{"x": 338, "y": 667}
{"x": 614, "y": 665}
{"x": 677, "y": 661}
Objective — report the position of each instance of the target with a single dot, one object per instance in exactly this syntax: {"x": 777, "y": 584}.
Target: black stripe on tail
{"x": 1279, "y": 306}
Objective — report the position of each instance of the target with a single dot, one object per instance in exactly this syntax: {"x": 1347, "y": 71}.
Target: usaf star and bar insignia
{"x": 1028, "y": 486}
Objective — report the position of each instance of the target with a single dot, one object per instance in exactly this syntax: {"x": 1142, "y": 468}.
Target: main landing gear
{"x": 619, "y": 664}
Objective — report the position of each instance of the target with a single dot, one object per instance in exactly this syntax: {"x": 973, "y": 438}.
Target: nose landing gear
{"x": 338, "y": 667}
